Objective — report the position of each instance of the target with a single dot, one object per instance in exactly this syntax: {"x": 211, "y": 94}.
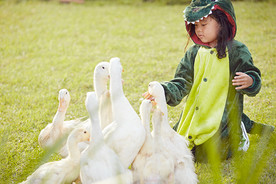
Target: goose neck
{"x": 146, "y": 125}
{"x": 162, "y": 105}
{"x": 115, "y": 82}
{"x": 161, "y": 102}
{"x": 145, "y": 118}
{"x": 100, "y": 86}
{"x": 59, "y": 119}
{"x": 156, "y": 125}
{"x": 73, "y": 149}
{"x": 96, "y": 131}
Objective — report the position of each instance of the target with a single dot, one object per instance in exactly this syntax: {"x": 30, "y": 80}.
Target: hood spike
{"x": 184, "y": 18}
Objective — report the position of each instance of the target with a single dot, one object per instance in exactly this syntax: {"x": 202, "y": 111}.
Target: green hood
{"x": 198, "y": 9}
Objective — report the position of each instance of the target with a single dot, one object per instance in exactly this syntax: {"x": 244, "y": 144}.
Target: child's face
{"x": 207, "y": 31}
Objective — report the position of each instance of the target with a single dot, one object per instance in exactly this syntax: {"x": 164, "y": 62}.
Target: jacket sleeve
{"x": 244, "y": 63}
{"x": 180, "y": 86}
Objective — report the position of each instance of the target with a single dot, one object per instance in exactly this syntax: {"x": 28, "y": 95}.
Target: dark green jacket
{"x": 240, "y": 60}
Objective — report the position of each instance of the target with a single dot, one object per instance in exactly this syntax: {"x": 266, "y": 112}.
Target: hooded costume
{"x": 213, "y": 106}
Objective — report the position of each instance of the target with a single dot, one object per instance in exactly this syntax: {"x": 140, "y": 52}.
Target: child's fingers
{"x": 240, "y": 87}
{"x": 242, "y": 80}
{"x": 238, "y": 77}
{"x": 239, "y": 73}
{"x": 238, "y": 83}
{"x": 241, "y": 84}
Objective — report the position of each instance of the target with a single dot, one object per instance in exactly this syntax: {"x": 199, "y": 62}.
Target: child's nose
{"x": 199, "y": 29}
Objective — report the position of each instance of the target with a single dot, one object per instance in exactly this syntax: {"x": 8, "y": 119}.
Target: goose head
{"x": 92, "y": 106}
{"x": 64, "y": 100}
{"x": 145, "y": 106}
{"x": 91, "y": 103}
{"x": 101, "y": 77}
{"x": 80, "y": 135}
{"x": 155, "y": 91}
{"x": 145, "y": 109}
{"x": 156, "y": 94}
{"x": 101, "y": 71}
{"x": 115, "y": 65}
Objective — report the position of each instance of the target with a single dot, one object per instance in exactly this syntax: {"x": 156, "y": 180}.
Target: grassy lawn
{"x": 46, "y": 46}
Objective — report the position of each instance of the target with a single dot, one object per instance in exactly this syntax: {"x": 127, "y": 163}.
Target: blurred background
{"x": 47, "y": 45}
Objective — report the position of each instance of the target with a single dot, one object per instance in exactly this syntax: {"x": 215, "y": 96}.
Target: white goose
{"x": 56, "y": 133}
{"x": 101, "y": 77}
{"x": 98, "y": 161}
{"x": 159, "y": 167}
{"x": 126, "y": 134}
{"x": 174, "y": 144}
{"x": 146, "y": 150}
{"x": 65, "y": 170}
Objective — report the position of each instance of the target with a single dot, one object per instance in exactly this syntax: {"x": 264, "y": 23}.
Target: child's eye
{"x": 204, "y": 24}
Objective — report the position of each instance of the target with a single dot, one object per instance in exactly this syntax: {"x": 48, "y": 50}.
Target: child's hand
{"x": 242, "y": 80}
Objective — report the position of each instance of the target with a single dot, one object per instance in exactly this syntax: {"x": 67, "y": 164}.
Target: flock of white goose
{"x": 115, "y": 145}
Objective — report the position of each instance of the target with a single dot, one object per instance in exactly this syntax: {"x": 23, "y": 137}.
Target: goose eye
{"x": 103, "y": 67}
{"x": 84, "y": 132}
{"x": 66, "y": 93}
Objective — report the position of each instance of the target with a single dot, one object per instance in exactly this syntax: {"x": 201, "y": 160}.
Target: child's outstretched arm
{"x": 180, "y": 86}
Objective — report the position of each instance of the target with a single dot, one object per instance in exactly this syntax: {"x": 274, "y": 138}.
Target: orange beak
{"x": 154, "y": 103}
{"x": 146, "y": 95}
{"x": 61, "y": 102}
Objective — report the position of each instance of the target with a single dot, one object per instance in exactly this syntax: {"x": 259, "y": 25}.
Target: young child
{"x": 215, "y": 73}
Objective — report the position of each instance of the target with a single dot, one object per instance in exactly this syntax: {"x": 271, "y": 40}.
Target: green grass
{"x": 46, "y": 46}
